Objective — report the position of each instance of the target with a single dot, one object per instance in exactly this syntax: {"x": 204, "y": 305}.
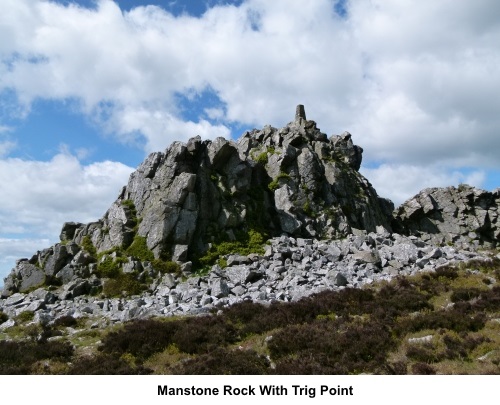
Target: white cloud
{"x": 434, "y": 67}
{"x": 139, "y": 60}
{"x": 400, "y": 182}
{"x": 40, "y": 196}
{"x": 160, "y": 127}
{"x": 413, "y": 81}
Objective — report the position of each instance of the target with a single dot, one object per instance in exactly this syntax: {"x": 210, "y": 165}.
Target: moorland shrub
{"x": 19, "y": 357}
{"x": 105, "y": 364}
{"x": 65, "y": 321}
{"x": 123, "y": 284}
{"x": 141, "y": 338}
{"x": 340, "y": 346}
{"x": 203, "y": 334}
{"x": 422, "y": 369}
{"x": 465, "y": 294}
{"x": 224, "y": 361}
{"x": 454, "y": 319}
{"x": 489, "y": 300}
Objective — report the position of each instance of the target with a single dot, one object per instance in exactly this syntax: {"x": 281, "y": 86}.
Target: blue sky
{"x": 89, "y": 88}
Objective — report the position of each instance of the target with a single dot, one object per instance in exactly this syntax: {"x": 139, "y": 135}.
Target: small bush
{"x": 339, "y": 346}
{"x": 3, "y": 317}
{"x": 489, "y": 300}
{"x": 105, "y": 364}
{"x": 133, "y": 221}
{"x": 223, "y": 362}
{"x": 425, "y": 352}
{"x": 130, "y": 205}
{"x": 303, "y": 365}
{"x": 122, "y": 284}
{"x": 166, "y": 266}
{"x": 26, "y": 316}
{"x": 139, "y": 249}
{"x": 19, "y": 357}
{"x": 308, "y": 210}
{"x": 422, "y": 369}
{"x": 109, "y": 268}
{"x": 465, "y": 294}
{"x": 65, "y": 321}
{"x": 262, "y": 158}
{"x": 203, "y": 334}
{"x": 455, "y": 319}
{"x": 275, "y": 184}
{"x": 144, "y": 338}
{"x": 445, "y": 272}
{"x": 88, "y": 246}
{"x": 250, "y": 242}
{"x": 141, "y": 338}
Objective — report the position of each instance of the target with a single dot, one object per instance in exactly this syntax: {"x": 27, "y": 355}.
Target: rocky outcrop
{"x": 294, "y": 181}
{"x": 202, "y": 203}
{"x": 465, "y": 215}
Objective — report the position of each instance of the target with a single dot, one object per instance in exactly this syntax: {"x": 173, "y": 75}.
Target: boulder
{"x": 30, "y": 276}
{"x": 461, "y": 215}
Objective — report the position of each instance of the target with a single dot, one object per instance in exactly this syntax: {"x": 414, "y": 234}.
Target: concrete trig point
{"x": 300, "y": 113}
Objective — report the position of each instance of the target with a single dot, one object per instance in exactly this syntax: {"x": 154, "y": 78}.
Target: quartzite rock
{"x": 463, "y": 215}
{"x": 292, "y": 183}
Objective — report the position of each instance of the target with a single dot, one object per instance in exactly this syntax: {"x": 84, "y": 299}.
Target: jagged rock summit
{"x": 198, "y": 203}
{"x": 293, "y": 180}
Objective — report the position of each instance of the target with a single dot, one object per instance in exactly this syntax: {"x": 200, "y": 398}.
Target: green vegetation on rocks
{"x": 88, "y": 246}
{"x": 252, "y": 242}
{"x": 139, "y": 249}
{"x": 25, "y": 316}
{"x": 133, "y": 219}
{"x": 123, "y": 285}
{"x": 275, "y": 184}
{"x": 109, "y": 267}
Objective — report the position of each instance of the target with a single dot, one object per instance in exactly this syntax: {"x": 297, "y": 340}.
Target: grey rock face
{"x": 29, "y": 276}
{"x": 463, "y": 215}
{"x": 293, "y": 180}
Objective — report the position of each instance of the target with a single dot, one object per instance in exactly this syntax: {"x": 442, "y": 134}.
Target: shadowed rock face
{"x": 463, "y": 215}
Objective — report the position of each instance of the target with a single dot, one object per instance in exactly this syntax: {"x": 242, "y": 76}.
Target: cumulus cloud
{"x": 398, "y": 182}
{"x": 118, "y": 65}
{"x": 40, "y": 196}
{"x": 161, "y": 127}
{"x": 407, "y": 93}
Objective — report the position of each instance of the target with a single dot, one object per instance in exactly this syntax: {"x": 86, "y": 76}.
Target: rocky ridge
{"x": 200, "y": 203}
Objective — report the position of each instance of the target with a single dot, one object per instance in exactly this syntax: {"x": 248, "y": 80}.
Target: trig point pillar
{"x": 300, "y": 113}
